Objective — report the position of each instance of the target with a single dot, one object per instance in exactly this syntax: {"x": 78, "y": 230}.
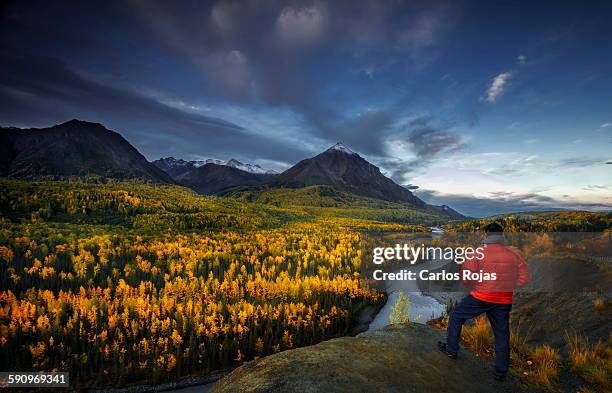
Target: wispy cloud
{"x": 498, "y": 85}
{"x": 523, "y": 165}
{"x": 595, "y": 187}
{"x": 297, "y": 26}
{"x": 506, "y": 202}
{"x": 428, "y": 142}
{"x": 47, "y": 79}
{"x": 421, "y": 35}
{"x": 579, "y": 162}
{"x": 425, "y": 141}
{"x": 605, "y": 125}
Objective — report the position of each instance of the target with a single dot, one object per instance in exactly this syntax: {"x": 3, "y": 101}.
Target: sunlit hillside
{"x": 322, "y": 200}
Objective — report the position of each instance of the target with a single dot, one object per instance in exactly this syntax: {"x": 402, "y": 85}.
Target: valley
{"x": 305, "y": 196}
{"x": 125, "y": 274}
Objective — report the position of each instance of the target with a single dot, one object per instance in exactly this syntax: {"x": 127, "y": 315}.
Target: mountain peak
{"x": 346, "y": 171}
{"x": 74, "y": 149}
{"x": 341, "y": 147}
{"x": 81, "y": 123}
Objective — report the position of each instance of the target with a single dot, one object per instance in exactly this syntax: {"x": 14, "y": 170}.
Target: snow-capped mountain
{"x": 176, "y": 167}
{"x": 200, "y": 163}
{"x": 341, "y": 147}
{"x": 83, "y": 149}
{"x": 347, "y": 171}
{"x": 252, "y": 168}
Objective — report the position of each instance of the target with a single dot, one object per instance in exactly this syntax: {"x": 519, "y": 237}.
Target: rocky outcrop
{"x": 400, "y": 358}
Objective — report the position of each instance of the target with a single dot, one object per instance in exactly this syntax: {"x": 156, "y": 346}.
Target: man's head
{"x": 493, "y": 227}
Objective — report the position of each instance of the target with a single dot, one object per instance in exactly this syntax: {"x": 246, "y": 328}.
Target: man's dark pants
{"x": 499, "y": 317}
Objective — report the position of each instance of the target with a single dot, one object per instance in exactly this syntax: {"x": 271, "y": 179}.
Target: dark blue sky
{"x": 487, "y": 106}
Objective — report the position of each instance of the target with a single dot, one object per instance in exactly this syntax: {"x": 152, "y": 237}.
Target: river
{"x": 422, "y": 307}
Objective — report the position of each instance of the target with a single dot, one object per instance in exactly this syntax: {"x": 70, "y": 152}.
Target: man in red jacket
{"x": 493, "y": 297}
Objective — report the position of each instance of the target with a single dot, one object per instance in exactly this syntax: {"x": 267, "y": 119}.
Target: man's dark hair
{"x": 493, "y": 227}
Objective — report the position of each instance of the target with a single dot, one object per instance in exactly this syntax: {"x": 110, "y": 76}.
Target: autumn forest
{"x": 126, "y": 282}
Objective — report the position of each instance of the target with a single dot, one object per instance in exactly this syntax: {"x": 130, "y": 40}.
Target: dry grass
{"x": 518, "y": 342}
{"x": 440, "y": 323}
{"x": 546, "y": 365}
{"x": 542, "y": 365}
{"x": 478, "y": 336}
{"x": 584, "y": 389}
{"x": 593, "y": 363}
{"x": 519, "y": 352}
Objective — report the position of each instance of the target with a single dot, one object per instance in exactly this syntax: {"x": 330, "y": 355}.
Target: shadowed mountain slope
{"x": 346, "y": 171}
{"x": 75, "y": 149}
{"x": 214, "y": 179}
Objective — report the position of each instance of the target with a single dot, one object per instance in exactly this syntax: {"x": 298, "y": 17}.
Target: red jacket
{"x": 510, "y": 270}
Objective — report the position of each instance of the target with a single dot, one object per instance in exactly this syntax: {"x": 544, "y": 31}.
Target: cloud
{"x": 275, "y": 57}
{"x": 425, "y": 141}
{"x": 605, "y": 125}
{"x": 270, "y": 82}
{"x": 505, "y": 202}
{"x": 595, "y": 187}
{"x": 36, "y": 87}
{"x": 428, "y": 142}
{"x": 498, "y": 85}
{"x": 364, "y": 132}
{"x": 516, "y": 164}
{"x": 297, "y": 26}
{"x": 44, "y": 77}
{"x": 224, "y": 15}
{"x": 421, "y": 36}
{"x": 232, "y": 70}
{"x": 579, "y": 162}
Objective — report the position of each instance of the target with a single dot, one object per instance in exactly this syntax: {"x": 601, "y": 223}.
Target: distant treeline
{"x": 554, "y": 221}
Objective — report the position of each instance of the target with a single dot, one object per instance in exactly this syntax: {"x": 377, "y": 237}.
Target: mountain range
{"x": 81, "y": 150}
{"x": 177, "y": 166}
